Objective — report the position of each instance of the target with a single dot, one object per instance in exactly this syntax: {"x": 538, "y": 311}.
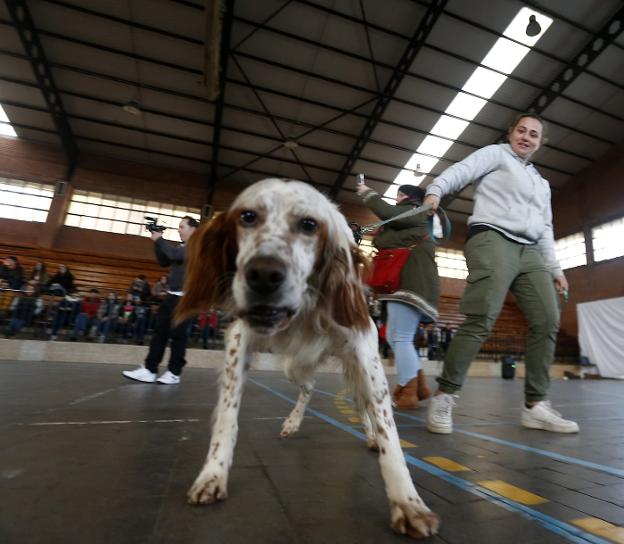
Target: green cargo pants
{"x": 495, "y": 266}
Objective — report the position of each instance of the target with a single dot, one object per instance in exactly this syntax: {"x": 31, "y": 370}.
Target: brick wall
{"x": 594, "y": 194}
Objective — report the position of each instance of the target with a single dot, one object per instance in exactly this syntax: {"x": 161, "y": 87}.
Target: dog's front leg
{"x": 211, "y": 483}
{"x": 293, "y": 421}
{"x": 408, "y": 512}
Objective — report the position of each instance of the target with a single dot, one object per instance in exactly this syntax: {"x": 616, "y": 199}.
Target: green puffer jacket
{"x": 420, "y": 284}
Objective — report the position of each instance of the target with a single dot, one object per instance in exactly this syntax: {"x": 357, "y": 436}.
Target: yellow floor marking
{"x": 406, "y": 444}
{"x": 446, "y": 464}
{"x": 354, "y": 420}
{"x": 346, "y": 411}
{"x": 512, "y": 492}
{"x": 601, "y": 528}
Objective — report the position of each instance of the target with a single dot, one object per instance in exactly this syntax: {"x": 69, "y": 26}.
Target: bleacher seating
{"x": 89, "y": 270}
{"x": 105, "y": 272}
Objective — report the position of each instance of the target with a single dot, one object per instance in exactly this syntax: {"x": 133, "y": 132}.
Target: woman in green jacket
{"x": 417, "y": 298}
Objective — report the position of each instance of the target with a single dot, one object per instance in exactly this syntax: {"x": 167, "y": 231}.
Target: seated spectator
{"x": 159, "y": 291}
{"x": 421, "y": 340}
{"x": 139, "y": 317}
{"x": 87, "y": 316}
{"x": 39, "y": 275}
{"x": 383, "y": 346}
{"x": 24, "y": 308}
{"x": 11, "y": 272}
{"x": 126, "y": 317}
{"x": 434, "y": 339}
{"x": 108, "y": 314}
{"x": 208, "y": 326}
{"x": 63, "y": 278}
{"x": 63, "y": 307}
{"x": 140, "y": 287}
{"x": 6, "y": 297}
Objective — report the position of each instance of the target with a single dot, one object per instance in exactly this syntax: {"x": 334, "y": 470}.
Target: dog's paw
{"x": 371, "y": 444}
{"x": 413, "y": 520}
{"x": 208, "y": 488}
{"x": 289, "y": 427}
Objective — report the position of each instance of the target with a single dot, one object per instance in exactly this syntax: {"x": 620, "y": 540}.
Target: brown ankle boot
{"x": 405, "y": 398}
{"x": 423, "y": 390}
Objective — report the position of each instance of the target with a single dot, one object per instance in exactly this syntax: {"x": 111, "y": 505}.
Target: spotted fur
{"x": 327, "y": 315}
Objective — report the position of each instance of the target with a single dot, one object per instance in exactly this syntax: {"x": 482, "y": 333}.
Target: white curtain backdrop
{"x": 601, "y": 335}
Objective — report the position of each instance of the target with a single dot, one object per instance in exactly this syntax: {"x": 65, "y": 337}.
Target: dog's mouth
{"x": 268, "y": 317}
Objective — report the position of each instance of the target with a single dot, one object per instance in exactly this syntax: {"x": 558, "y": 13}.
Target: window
{"x": 608, "y": 240}
{"x": 571, "y": 251}
{"x": 121, "y": 215}
{"x": 24, "y": 200}
{"x": 451, "y": 263}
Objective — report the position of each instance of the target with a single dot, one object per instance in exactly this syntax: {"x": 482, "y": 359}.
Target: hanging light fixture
{"x": 132, "y": 107}
{"x": 533, "y": 28}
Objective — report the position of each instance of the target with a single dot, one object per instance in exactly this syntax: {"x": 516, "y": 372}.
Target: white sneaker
{"x": 169, "y": 378}
{"x": 141, "y": 374}
{"x": 544, "y": 416}
{"x": 440, "y": 413}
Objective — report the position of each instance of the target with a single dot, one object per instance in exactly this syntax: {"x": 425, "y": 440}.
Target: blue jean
{"x": 83, "y": 323}
{"x": 15, "y": 325}
{"x": 403, "y": 321}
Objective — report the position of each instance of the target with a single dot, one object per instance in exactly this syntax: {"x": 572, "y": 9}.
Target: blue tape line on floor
{"x": 545, "y": 453}
{"x": 553, "y": 455}
{"x": 574, "y": 534}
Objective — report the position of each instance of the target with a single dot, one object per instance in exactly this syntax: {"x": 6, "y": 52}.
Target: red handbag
{"x": 387, "y": 266}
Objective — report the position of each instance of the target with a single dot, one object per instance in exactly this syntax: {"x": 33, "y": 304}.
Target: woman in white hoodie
{"x": 509, "y": 247}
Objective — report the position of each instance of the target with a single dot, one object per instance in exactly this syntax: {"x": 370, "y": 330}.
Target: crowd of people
{"x": 53, "y": 307}
{"x": 509, "y": 247}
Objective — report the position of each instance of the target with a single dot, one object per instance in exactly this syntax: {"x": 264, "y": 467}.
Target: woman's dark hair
{"x": 535, "y": 116}
{"x": 191, "y": 221}
{"x": 414, "y": 194}
{"x": 42, "y": 269}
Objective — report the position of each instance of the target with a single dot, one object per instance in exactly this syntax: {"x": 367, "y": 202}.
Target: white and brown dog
{"x": 284, "y": 260}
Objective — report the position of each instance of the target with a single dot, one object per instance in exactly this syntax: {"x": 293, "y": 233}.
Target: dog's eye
{"x": 248, "y": 218}
{"x": 308, "y": 225}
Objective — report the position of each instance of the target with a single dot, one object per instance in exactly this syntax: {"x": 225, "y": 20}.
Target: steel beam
{"x": 218, "y": 115}
{"x": 195, "y": 72}
{"x": 605, "y": 37}
{"x": 423, "y": 30}
{"x": 29, "y": 36}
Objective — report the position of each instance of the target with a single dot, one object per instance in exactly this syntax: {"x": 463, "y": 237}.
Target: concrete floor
{"x": 89, "y": 457}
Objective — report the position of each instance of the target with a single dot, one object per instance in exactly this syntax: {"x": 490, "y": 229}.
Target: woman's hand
{"x": 561, "y": 284}
{"x": 361, "y": 189}
{"x": 433, "y": 200}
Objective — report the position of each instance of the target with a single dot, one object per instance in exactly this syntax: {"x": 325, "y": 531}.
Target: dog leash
{"x": 409, "y": 213}
{"x": 444, "y": 221}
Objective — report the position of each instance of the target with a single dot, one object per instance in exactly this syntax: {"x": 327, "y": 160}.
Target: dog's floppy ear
{"x": 210, "y": 261}
{"x": 341, "y": 287}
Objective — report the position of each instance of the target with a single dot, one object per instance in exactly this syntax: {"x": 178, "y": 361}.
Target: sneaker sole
{"x": 439, "y": 430}
{"x": 538, "y": 427}
{"x": 136, "y": 380}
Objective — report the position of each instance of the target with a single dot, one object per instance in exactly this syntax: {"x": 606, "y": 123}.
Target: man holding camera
{"x": 167, "y": 255}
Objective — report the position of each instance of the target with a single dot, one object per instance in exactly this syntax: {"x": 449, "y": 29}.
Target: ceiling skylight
{"x": 5, "y": 125}
{"x": 503, "y": 59}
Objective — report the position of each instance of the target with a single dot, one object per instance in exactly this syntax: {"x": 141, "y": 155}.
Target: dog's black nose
{"x": 264, "y": 275}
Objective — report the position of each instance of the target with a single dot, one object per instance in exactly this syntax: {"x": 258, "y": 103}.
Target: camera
{"x": 152, "y": 224}
{"x": 357, "y": 232}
